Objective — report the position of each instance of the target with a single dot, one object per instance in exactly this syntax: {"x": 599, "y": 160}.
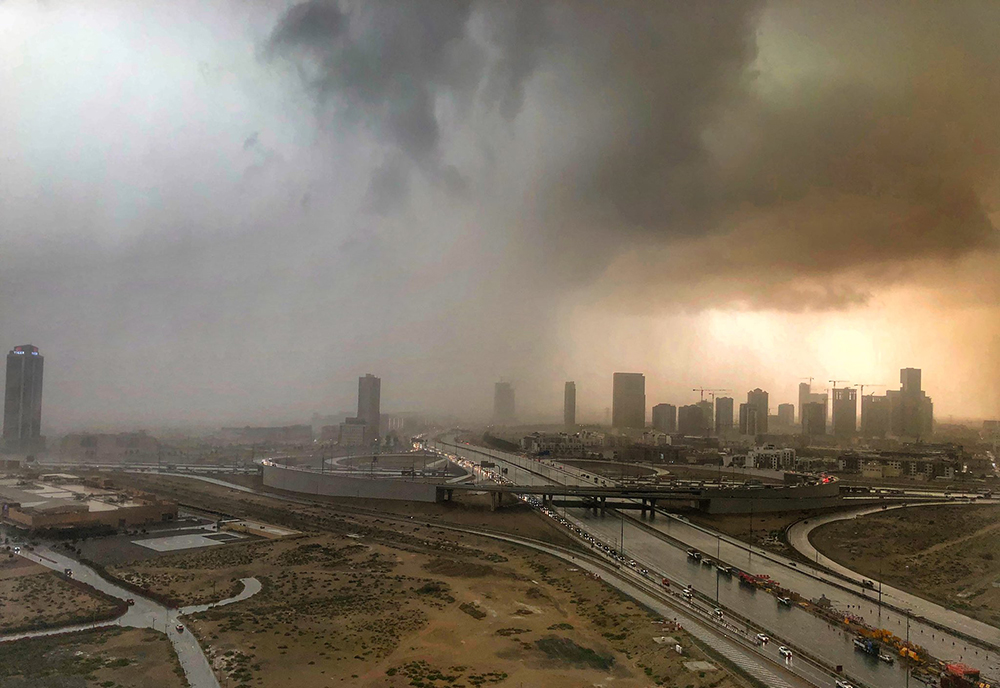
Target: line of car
{"x": 761, "y": 639}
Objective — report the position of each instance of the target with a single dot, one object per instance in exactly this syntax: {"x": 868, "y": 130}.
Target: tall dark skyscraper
{"x": 369, "y": 401}
{"x": 758, "y": 399}
{"x": 874, "y": 416}
{"x": 911, "y": 411}
{"x": 22, "y": 412}
{"x": 665, "y": 418}
{"x": 691, "y": 421}
{"x": 845, "y": 412}
{"x": 814, "y": 419}
{"x": 628, "y": 403}
{"x": 569, "y": 404}
{"x": 723, "y": 415}
{"x": 786, "y": 414}
{"x": 750, "y": 422}
{"x": 503, "y": 403}
{"x": 805, "y": 389}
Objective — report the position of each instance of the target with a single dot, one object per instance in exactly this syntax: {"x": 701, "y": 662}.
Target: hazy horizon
{"x": 225, "y": 213}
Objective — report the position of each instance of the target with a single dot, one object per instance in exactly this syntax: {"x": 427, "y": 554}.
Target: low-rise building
{"x": 109, "y": 447}
{"x": 353, "y": 432}
{"x": 771, "y": 457}
{"x": 67, "y": 502}
{"x": 909, "y": 465}
{"x": 563, "y": 443}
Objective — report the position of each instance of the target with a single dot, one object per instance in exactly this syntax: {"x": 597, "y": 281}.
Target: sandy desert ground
{"x": 363, "y": 601}
{"x": 109, "y": 658}
{"x": 948, "y": 554}
{"x": 32, "y": 596}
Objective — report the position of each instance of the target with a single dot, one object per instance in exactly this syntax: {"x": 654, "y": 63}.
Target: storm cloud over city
{"x": 226, "y": 212}
{"x": 495, "y": 343}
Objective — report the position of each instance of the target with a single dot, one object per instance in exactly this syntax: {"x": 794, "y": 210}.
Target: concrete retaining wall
{"x": 740, "y": 505}
{"x": 332, "y": 485}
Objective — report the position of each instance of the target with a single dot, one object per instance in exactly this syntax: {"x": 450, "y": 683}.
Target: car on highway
{"x": 718, "y": 614}
{"x": 843, "y": 684}
{"x": 694, "y": 554}
{"x": 130, "y": 602}
{"x": 68, "y": 572}
{"x": 785, "y": 652}
{"x": 868, "y": 583}
{"x": 180, "y": 628}
{"x": 762, "y": 639}
{"x": 787, "y": 601}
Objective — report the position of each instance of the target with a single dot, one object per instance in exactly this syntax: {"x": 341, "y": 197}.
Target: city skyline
{"x": 272, "y": 246}
{"x": 368, "y": 402}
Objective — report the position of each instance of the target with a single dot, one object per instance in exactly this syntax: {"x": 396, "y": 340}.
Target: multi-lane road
{"x": 762, "y": 663}
{"x": 650, "y": 543}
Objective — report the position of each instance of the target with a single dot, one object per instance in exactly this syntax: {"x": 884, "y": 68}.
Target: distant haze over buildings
{"x": 246, "y": 219}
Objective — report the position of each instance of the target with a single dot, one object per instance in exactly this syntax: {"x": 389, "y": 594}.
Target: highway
{"x": 813, "y": 635}
{"x": 761, "y": 663}
{"x": 798, "y": 537}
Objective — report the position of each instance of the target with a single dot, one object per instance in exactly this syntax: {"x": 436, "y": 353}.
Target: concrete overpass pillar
{"x": 447, "y": 495}
{"x": 644, "y": 507}
{"x": 603, "y": 500}
{"x": 652, "y": 509}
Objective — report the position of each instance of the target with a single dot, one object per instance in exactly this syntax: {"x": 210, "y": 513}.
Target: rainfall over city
{"x": 500, "y": 343}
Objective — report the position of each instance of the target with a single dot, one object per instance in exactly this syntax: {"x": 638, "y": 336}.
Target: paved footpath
{"x": 145, "y": 613}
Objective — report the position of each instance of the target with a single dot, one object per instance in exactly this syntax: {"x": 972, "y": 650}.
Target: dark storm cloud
{"x": 450, "y": 192}
{"x": 381, "y": 64}
{"x": 674, "y": 136}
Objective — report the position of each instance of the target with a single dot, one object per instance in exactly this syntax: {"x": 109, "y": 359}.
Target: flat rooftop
{"x": 69, "y": 493}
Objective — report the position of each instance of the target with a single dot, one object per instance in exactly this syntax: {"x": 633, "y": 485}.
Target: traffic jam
{"x": 490, "y": 471}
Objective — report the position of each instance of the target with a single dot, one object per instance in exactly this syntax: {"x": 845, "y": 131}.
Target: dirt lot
{"x": 32, "y": 596}
{"x": 111, "y": 658}
{"x": 947, "y": 554}
{"x": 363, "y": 601}
{"x": 612, "y": 469}
{"x": 767, "y": 530}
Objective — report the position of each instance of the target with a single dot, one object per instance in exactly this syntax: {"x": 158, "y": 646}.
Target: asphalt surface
{"x": 760, "y": 662}
{"x": 804, "y": 630}
{"x": 798, "y": 537}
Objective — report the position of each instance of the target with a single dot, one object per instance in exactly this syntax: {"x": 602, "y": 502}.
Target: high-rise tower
{"x": 569, "y": 405}
{"x": 628, "y": 403}
{"x": 369, "y": 401}
{"x": 22, "y": 412}
{"x": 503, "y": 403}
{"x": 845, "y": 411}
{"x": 757, "y": 398}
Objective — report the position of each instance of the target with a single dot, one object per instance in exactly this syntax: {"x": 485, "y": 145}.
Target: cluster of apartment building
{"x": 904, "y": 413}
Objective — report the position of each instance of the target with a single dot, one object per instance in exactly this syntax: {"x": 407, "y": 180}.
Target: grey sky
{"x": 227, "y": 211}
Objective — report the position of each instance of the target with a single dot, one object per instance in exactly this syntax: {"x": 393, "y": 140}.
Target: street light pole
{"x": 621, "y": 549}
{"x": 718, "y": 563}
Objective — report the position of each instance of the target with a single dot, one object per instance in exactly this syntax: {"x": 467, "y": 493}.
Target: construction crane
{"x": 711, "y": 392}
{"x": 834, "y": 382}
{"x": 867, "y": 385}
{"x": 808, "y": 378}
